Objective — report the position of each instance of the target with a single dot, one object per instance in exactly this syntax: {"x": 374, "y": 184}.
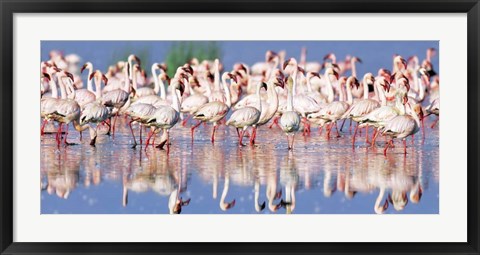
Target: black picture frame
{"x": 10, "y": 7}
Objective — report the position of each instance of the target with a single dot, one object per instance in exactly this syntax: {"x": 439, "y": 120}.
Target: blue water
{"x": 81, "y": 179}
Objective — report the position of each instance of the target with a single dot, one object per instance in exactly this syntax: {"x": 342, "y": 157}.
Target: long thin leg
{"x": 114, "y": 122}
{"x": 336, "y": 128}
{"x": 184, "y": 122}
{"x": 254, "y": 135}
{"x": 404, "y": 146}
{"x": 343, "y": 123}
{"x": 386, "y": 147}
{"x": 140, "y": 127}
{"x": 242, "y": 132}
{"x": 148, "y": 139}
{"x": 213, "y": 132}
{"x": 66, "y": 134}
{"x": 375, "y": 134}
{"x": 43, "y": 127}
{"x": 193, "y": 128}
{"x": 435, "y": 122}
{"x": 133, "y": 134}
{"x": 354, "y": 134}
{"x": 59, "y": 134}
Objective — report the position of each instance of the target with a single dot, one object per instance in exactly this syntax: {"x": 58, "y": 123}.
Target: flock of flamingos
{"x": 279, "y": 92}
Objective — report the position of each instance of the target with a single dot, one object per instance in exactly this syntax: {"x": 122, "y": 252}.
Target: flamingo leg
{"x": 133, "y": 134}
{"x": 343, "y": 123}
{"x": 366, "y": 134}
{"x": 140, "y": 134}
{"x": 168, "y": 140}
{"x": 213, "y": 133}
{"x": 423, "y": 127}
{"x": 336, "y": 128}
{"x": 94, "y": 139}
{"x": 193, "y": 128}
{"x": 238, "y": 133}
{"x": 355, "y": 134}
{"x": 148, "y": 139}
{"x": 184, "y": 122}
{"x": 386, "y": 147}
{"x": 242, "y": 132}
{"x": 254, "y": 135}
{"x": 435, "y": 122}
{"x": 43, "y": 127}
{"x": 404, "y": 146}
{"x": 59, "y": 134}
{"x": 113, "y": 127}
{"x": 375, "y": 134}
{"x": 66, "y": 134}
{"x": 329, "y": 129}
{"x": 274, "y": 122}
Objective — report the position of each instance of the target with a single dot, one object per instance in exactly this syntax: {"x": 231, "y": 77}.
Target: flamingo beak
{"x": 186, "y": 202}
{"x": 359, "y": 60}
{"x": 286, "y": 63}
{"x": 181, "y": 88}
{"x": 105, "y": 79}
{"x": 137, "y": 60}
{"x": 280, "y": 82}
{"x": 264, "y": 85}
{"x": 70, "y": 76}
{"x": 328, "y": 56}
{"x": 405, "y": 99}
{"x": 83, "y": 68}
{"x": 278, "y": 195}
{"x": 230, "y": 205}
{"x": 47, "y": 76}
{"x": 91, "y": 75}
{"x": 300, "y": 69}
{"x": 262, "y": 206}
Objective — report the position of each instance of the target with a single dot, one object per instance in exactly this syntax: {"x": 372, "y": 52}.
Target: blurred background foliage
{"x": 181, "y": 52}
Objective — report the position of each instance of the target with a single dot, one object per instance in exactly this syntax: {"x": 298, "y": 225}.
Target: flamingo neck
{"x": 61, "y": 84}
{"x": 126, "y": 85}
{"x": 331, "y": 95}
{"x": 89, "y": 81}
{"x": 98, "y": 89}
{"x": 272, "y": 97}
{"x": 227, "y": 92}
{"x": 303, "y": 58}
{"x": 259, "y": 99}
{"x": 175, "y": 100}
{"x": 134, "y": 79}
{"x": 379, "y": 199}
{"x": 216, "y": 82}
{"x": 156, "y": 88}
{"x": 354, "y": 67}
{"x": 290, "y": 98}
{"x": 349, "y": 92}
{"x": 294, "y": 87}
{"x": 224, "y": 205}
{"x": 365, "y": 89}
{"x": 53, "y": 87}
{"x": 380, "y": 94}
{"x": 421, "y": 92}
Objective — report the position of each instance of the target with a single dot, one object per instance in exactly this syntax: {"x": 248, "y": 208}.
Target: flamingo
{"x": 156, "y": 100}
{"x": 118, "y": 98}
{"x": 290, "y": 120}
{"x": 434, "y": 108}
{"x": 146, "y": 91}
{"x": 214, "y": 111}
{"x": 67, "y": 110}
{"x": 402, "y": 126}
{"x": 335, "y": 110}
{"x": 95, "y": 112}
{"x": 166, "y": 117}
{"x": 85, "y": 96}
{"x": 247, "y": 116}
{"x": 364, "y": 106}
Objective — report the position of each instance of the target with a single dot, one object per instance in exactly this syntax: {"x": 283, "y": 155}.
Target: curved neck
{"x": 331, "y": 95}
{"x": 294, "y": 87}
{"x": 163, "y": 93}
{"x": 354, "y": 68}
{"x": 156, "y": 88}
{"x": 175, "y": 100}
{"x": 98, "y": 89}
{"x": 380, "y": 93}
{"x": 89, "y": 81}
{"x": 290, "y": 98}
{"x": 126, "y": 85}
{"x": 259, "y": 99}
{"x": 227, "y": 92}
{"x": 216, "y": 82}
{"x": 61, "y": 84}
{"x": 272, "y": 96}
{"x": 53, "y": 87}
{"x": 349, "y": 93}
{"x": 270, "y": 70}
{"x": 341, "y": 96}
{"x": 134, "y": 79}
{"x": 379, "y": 199}
{"x": 421, "y": 88}
{"x": 365, "y": 89}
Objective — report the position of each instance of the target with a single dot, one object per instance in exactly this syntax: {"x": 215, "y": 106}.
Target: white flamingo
{"x": 214, "y": 111}
{"x": 166, "y": 117}
{"x": 95, "y": 112}
{"x": 290, "y": 120}
{"x": 247, "y": 116}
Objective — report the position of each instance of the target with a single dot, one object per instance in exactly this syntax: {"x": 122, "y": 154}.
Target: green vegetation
{"x": 122, "y": 54}
{"x": 181, "y": 52}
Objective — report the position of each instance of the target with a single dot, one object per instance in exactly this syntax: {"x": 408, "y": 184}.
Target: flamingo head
{"x": 188, "y": 69}
{"x": 270, "y": 55}
{"x": 164, "y": 77}
{"x": 133, "y": 57}
{"x": 384, "y": 83}
{"x": 239, "y": 67}
{"x": 69, "y": 75}
{"x": 46, "y": 76}
{"x": 369, "y": 79}
{"x": 330, "y": 56}
{"x": 163, "y": 67}
{"x": 180, "y": 86}
{"x": 313, "y": 74}
{"x": 400, "y": 62}
{"x": 86, "y": 65}
{"x": 399, "y": 200}
{"x": 355, "y": 59}
{"x": 301, "y": 70}
{"x": 331, "y": 71}
{"x": 98, "y": 73}
{"x": 232, "y": 76}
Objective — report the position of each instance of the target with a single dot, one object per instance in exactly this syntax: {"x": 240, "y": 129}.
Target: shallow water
{"x": 319, "y": 176}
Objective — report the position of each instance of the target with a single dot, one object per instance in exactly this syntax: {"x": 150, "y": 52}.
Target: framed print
{"x": 239, "y": 127}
